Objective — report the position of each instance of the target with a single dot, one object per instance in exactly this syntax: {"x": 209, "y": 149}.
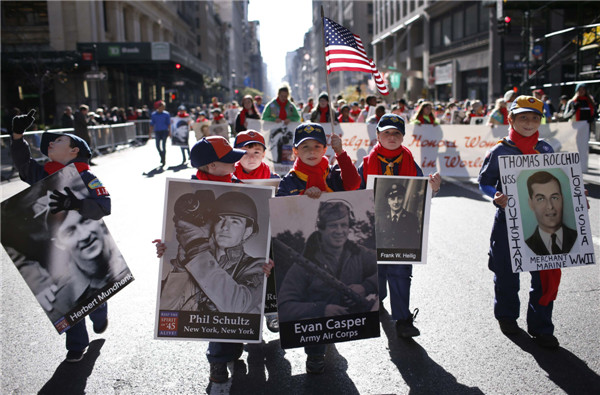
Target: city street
{"x": 461, "y": 349}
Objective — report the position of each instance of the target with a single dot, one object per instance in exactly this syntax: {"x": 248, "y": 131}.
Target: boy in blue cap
{"x": 64, "y": 149}
{"x": 524, "y": 117}
{"x": 311, "y": 176}
{"x": 390, "y": 157}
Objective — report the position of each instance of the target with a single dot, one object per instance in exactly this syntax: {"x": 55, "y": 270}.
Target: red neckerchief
{"x": 589, "y": 104}
{"x": 550, "y": 279}
{"x": 323, "y": 111}
{"x": 314, "y": 176}
{"x": 341, "y": 119}
{"x": 215, "y": 105}
{"x": 52, "y": 167}
{"x": 282, "y": 112}
{"x": 218, "y": 117}
{"x": 504, "y": 113}
{"x": 355, "y": 112}
{"x": 310, "y": 107}
{"x": 261, "y": 172}
{"x": 372, "y": 162}
{"x": 426, "y": 121}
{"x": 182, "y": 114}
{"x": 243, "y": 116}
{"x": 209, "y": 177}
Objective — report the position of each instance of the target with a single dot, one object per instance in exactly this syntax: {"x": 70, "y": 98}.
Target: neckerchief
{"x": 282, "y": 112}
{"x": 218, "y": 117}
{"x": 341, "y": 119}
{"x": 323, "y": 111}
{"x": 356, "y": 112}
{"x": 243, "y": 116}
{"x": 52, "y": 167}
{"x": 310, "y": 107}
{"x": 314, "y": 176}
{"x": 209, "y": 177}
{"x": 504, "y": 113}
{"x": 550, "y": 279}
{"x": 427, "y": 121}
{"x": 378, "y": 155}
{"x": 182, "y": 114}
{"x": 261, "y": 172}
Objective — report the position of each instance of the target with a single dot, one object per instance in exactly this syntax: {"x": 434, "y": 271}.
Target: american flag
{"x": 344, "y": 51}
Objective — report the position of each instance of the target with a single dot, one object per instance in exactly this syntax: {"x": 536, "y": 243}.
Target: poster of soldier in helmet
{"x": 71, "y": 263}
{"x": 402, "y": 207}
{"x": 326, "y": 268}
{"x": 211, "y": 284}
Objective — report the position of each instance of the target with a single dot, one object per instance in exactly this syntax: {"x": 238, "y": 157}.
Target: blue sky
{"x": 283, "y": 24}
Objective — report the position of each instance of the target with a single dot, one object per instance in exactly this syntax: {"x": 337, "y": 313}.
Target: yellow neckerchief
{"x": 389, "y": 170}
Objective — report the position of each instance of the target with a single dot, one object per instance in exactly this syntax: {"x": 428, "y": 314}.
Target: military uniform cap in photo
{"x": 248, "y": 137}
{"x": 391, "y": 121}
{"x": 239, "y": 204}
{"x": 309, "y": 131}
{"x": 48, "y": 137}
{"x": 214, "y": 149}
{"x": 395, "y": 190}
{"x": 527, "y": 104}
{"x": 333, "y": 210}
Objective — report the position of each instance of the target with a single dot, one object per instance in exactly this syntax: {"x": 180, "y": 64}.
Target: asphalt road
{"x": 460, "y": 351}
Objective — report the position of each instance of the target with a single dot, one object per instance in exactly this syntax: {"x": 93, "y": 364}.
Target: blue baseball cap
{"x": 214, "y": 149}
{"x": 309, "y": 131}
{"x": 391, "y": 121}
{"x": 48, "y": 137}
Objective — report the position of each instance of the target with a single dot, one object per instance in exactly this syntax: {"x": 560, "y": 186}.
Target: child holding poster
{"x": 215, "y": 160}
{"x": 64, "y": 149}
{"x": 390, "y": 157}
{"x": 524, "y": 118}
{"x": 251, "y": 165}
{"x": 311, "y": 176}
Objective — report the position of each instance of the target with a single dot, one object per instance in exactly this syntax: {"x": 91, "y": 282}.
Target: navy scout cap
{"x": 214, "y": 149}
{"x": 391, "y": 121}
{"x": 309, "y": 131}
{"x": 48, "y": 137}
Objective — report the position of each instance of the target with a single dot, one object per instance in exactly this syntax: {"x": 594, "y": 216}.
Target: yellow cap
{"x": 527, "y": 104}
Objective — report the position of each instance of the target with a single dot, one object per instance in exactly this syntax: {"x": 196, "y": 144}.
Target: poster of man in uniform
{"x": 326, "y": 269}
{"x": 546, "y": 215}
{"x": 402, "y": 207}
{"x": 71, "y": 264}
{"x": 211, "y": 284}
{"x": 180, "y": 128}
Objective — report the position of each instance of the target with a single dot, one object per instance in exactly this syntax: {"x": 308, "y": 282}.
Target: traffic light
{"x": 501, "y": 25}
{"x": 173, "y": 96}
{"x": 177, "y": 66}
{"x": 507, "y": 24}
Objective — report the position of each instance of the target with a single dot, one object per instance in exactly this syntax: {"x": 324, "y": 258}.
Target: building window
{"x": 370, "y": 8}
{"x": 471, "y": 20}
{"x": 370, "y": 28}
{"x": 483, "y": 18}
{"x": 447, "y": 30}
{"x": 457, "y": 25}
{"x": 24, "y": 13}
{"x": 437, "y": 33}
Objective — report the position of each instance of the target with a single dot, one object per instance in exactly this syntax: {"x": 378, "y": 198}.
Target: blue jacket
{"x": 161, "y": 121}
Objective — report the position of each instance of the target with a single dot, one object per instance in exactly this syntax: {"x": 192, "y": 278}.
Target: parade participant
{"x": 64, "y": 149}
{"x": 219, "y": 119}
{"x": 249, "y": 111}
{"x": 581, "y": 106}
{"x": 280, "y": 109}
{"x": 160, "y": 123}
{"x": 251, "y": 165}
{"x": 345, "y": 115}
{"x": 201, "y": 126}
{"x": 390, "y": 157}
{"x": 524, "y": 118}
{"x": 477, "y": 111}
{"x": 322, "y": 114}
{"x": 355, "y": 111}
{"x": 311, "y": 176}
{"x": 180, "y": 131}
{"x": 499, "y": 115}
{"x": 215, "y": 158}
{"x": 369, "y": 109}
{"x": 379, "y": 112}
{"x": 424, "y": 115}
{"x": 259, "y": 106}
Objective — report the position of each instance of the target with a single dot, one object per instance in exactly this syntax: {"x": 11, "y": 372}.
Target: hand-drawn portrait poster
{"x": 326, "y": 269}
{"x": 71, "y": 263}
{"x": 546, "y": 215}
{"x": 402, "y": 207}
{"x": 212, "y": 285}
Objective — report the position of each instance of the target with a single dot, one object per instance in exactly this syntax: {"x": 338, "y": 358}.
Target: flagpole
{"x": 331, "y": 114}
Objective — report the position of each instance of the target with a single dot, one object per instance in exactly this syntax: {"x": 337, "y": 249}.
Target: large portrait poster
{"x": 211, "y": 284}
{"x": 180, "y": 130}
{"x": 546, "y": 215}
{"x": 325, "y": 268}
{"x": 402, "y": 207}
{"x": 71, "y": 264}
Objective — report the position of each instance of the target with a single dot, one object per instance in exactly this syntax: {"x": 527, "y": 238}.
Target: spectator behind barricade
{"x": 280, "y": 109}
{"x": 80, "y": 126}
{"x": 249, "y": 111}
{"x": 499, "y": 115}
{"x": 562, "y": 107}
{"x": 231, "y": 114}
{"x": 424, "y": 115}
{"x": 379, "y": 112}
{"x": 344, "y": 116}
{"x": 546, "y": 99}
{"x": 439, "y": 111}
{"x": 582, "y": 106}
{"x": 131, "y": 114}
{"x": 307, "y": 109}
{"x": 450, "y": 115}
{"x": 477, "y": 110}
{"x": 259, "y": 104}
{"x": 322, "y": 114}
{"x": 369, "y": 109}
{"x": 66, "y": 121}
{"x": 403, "y": 110}
{"x": 539, "y": 94}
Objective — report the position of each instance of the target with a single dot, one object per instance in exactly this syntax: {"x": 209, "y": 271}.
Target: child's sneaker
{"x": 406, "y": 328}
{"x": 100, "y": 328}
{"x": 315, "y": 364}
{"x": 74, "y": 356}
{"x": 218, "y": 372}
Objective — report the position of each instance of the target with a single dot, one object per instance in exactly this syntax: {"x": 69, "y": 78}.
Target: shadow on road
{"x": 153, "y": 172}
{"x": 71, "y": 378}
{"x": 567, "y": 371}
{"x": 182, "y": 166}
{"x": 421, "y": 373}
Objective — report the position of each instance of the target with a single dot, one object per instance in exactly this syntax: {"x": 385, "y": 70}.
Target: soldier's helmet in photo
{"x": 333, "y": 210}
{"x": 239, "y": 204}
{"x": 396, "y": 189}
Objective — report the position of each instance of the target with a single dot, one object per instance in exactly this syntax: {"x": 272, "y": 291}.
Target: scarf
{"x": 282, "y": 112}
{"x": 504, "y": 113}
{"x": 378, "y": 155}
{"x": 53, "y": 167}
{"x": 314, "y": 176}
{"x": 590, "y": 105}
{"x": 217, "y": 118}
{"x": 310, "y": 107}
{"x": 426, "y": 121}
{"x": 243, "y": 116}
{"x": 341, "y": 119}
{"x": 261, "y": 172}
{"x": 209, "y": 177}
{"x": 550, "y": 279}
{"x": 323, "y": 111}
{"x": 356, "y": 112}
